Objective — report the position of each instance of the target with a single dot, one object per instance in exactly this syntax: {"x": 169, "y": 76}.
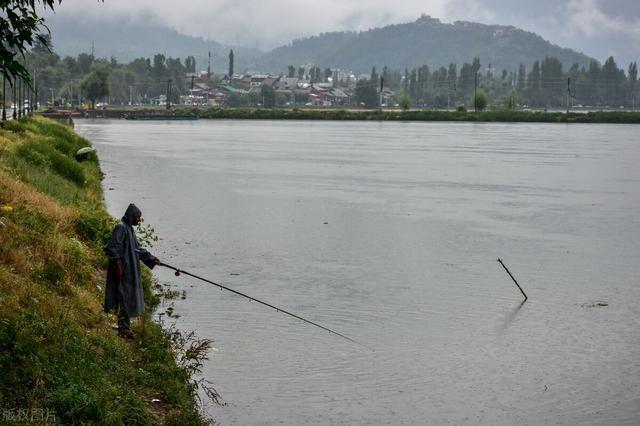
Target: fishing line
{"x": 181, "y": 271}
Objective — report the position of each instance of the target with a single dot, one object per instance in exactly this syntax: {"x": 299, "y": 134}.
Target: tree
{"x": 551, "y": 81}
{"x": 96, "y": 84}
{"x": 327, "y": 73}
{"x": 21, "y": 27}
{"x": 231, "y": 57}
{"x": 268, "y": 94}
{"x": 452, "y": 77}
{"x": 612, "y": 82}
{"x": 291, "y": 71}
{"x": 510, "y": 102}
{"x": 374, "y": 76}
{"x": 190, "y": 64}
{"x": 159, "y": 69}
{"x": 366, "y": 93}
{"x": 479, "y": 100}
{"x": 522, "y": 79}
{"x": 405, "y": 102}
{"x": 533, "y": 84}
{"x": 68, "y": 92}
{"x": 632, "y": 75}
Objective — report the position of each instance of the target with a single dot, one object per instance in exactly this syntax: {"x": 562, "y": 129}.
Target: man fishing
{"x": 124, "y": 285}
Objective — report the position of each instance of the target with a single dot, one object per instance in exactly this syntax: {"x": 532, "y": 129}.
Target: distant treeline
{"x": 545, "y": 85}
{"x": 84, "y": 78}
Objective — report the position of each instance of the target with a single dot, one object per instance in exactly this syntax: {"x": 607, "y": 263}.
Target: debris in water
{"x": 595, "y": 304}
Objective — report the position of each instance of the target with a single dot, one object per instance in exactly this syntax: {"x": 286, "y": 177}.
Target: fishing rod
{"x": 181, "y": 271}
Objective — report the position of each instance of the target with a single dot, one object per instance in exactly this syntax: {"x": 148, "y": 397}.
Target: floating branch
{"x": 514, "y": 280}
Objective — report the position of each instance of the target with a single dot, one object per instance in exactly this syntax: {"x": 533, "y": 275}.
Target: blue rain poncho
{"x": 123, "y": 247}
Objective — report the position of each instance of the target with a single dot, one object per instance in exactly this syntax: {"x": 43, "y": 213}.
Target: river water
{"x": 389, "y": 233}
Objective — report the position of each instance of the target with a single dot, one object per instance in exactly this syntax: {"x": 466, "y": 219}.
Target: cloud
{"x": 586, "y": 18}
{"x": 267, "y": 22}
{"x": 596, "y": 27}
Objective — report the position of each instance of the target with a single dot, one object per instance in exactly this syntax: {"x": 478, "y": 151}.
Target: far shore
{"x": 333, "y": 114}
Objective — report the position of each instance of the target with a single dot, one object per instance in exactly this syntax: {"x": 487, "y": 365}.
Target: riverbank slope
{"x": 60, "y": 358}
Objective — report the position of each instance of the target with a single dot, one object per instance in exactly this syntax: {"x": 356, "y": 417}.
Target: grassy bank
{"x": 414, "y": 115}
{"x": 59, "y": 356}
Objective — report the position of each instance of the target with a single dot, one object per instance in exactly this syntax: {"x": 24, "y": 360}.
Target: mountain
{"x": 425, "y": 41}
{"x": 129, "y": 39}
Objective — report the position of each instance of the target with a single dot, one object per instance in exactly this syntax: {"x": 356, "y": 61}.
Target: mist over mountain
{"x": 425, "y": 41}
{"x": 127, "y": 39}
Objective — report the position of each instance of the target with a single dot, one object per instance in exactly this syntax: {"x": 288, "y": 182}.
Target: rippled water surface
{"x": 389, "y": 234}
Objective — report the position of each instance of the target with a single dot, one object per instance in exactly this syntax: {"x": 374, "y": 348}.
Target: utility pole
{"x": 52, "y": 99}
{"x": 381, "y": 89}
{"x": 455, "y": 93}
{"x": 14, "y": 114}
{"x": 568, "y": 93}
{"x": 19, "y": 106}
{"x": 475, "y": 94}
{"x": 33, "y": 82}
{"x": 4, "y": 97}
{"x": 168, "y": 93}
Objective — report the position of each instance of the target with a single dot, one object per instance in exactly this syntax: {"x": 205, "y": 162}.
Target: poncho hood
{"x": 132, "y": 210}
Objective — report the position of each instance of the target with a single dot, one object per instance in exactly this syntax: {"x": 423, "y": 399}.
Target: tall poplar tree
{"x": 231, "y": 63}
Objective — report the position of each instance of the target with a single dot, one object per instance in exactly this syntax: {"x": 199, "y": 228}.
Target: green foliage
{"x": 57, "y": 350}
{"x": 268, "y": 96}
{"x": 460, "y": 114}
{"x": 404, "y": 102}
{"x": 146, "y": 234}
{"x": 414, "y": 44}
{"x": 366, "y": 94}
{"x": 94, "y": 225}
{"x": 479, "y": 100}
{"x": 20, "y": 26}
{"x": 41, "y": 152}
{"x": 510, "y": 101}
{"x": 96, "y": 84}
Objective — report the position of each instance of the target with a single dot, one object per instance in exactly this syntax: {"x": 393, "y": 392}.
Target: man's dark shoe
{"x": 125, "y": 333}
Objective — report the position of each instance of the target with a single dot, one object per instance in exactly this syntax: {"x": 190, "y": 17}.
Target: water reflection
{"x": 511, "y": 316}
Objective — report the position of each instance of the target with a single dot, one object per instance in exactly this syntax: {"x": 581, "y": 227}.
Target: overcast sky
{"x": 596, "y": 27}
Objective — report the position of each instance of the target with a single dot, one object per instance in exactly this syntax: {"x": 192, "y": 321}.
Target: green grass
{"x": 58, "y": 351}
{"x": 489, "y": 115}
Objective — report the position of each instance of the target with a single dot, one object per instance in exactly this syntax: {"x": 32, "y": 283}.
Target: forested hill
{"x": 425, "y": 41}
{"x": 128, "y": 40}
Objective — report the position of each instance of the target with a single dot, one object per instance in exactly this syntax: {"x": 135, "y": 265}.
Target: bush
{"x": 479, "y": 100}
{"x": 405, "y": 102}
{"x": 41, "y": 152}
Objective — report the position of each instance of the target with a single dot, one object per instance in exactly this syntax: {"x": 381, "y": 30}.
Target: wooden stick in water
{"x": 514, "y": 280}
